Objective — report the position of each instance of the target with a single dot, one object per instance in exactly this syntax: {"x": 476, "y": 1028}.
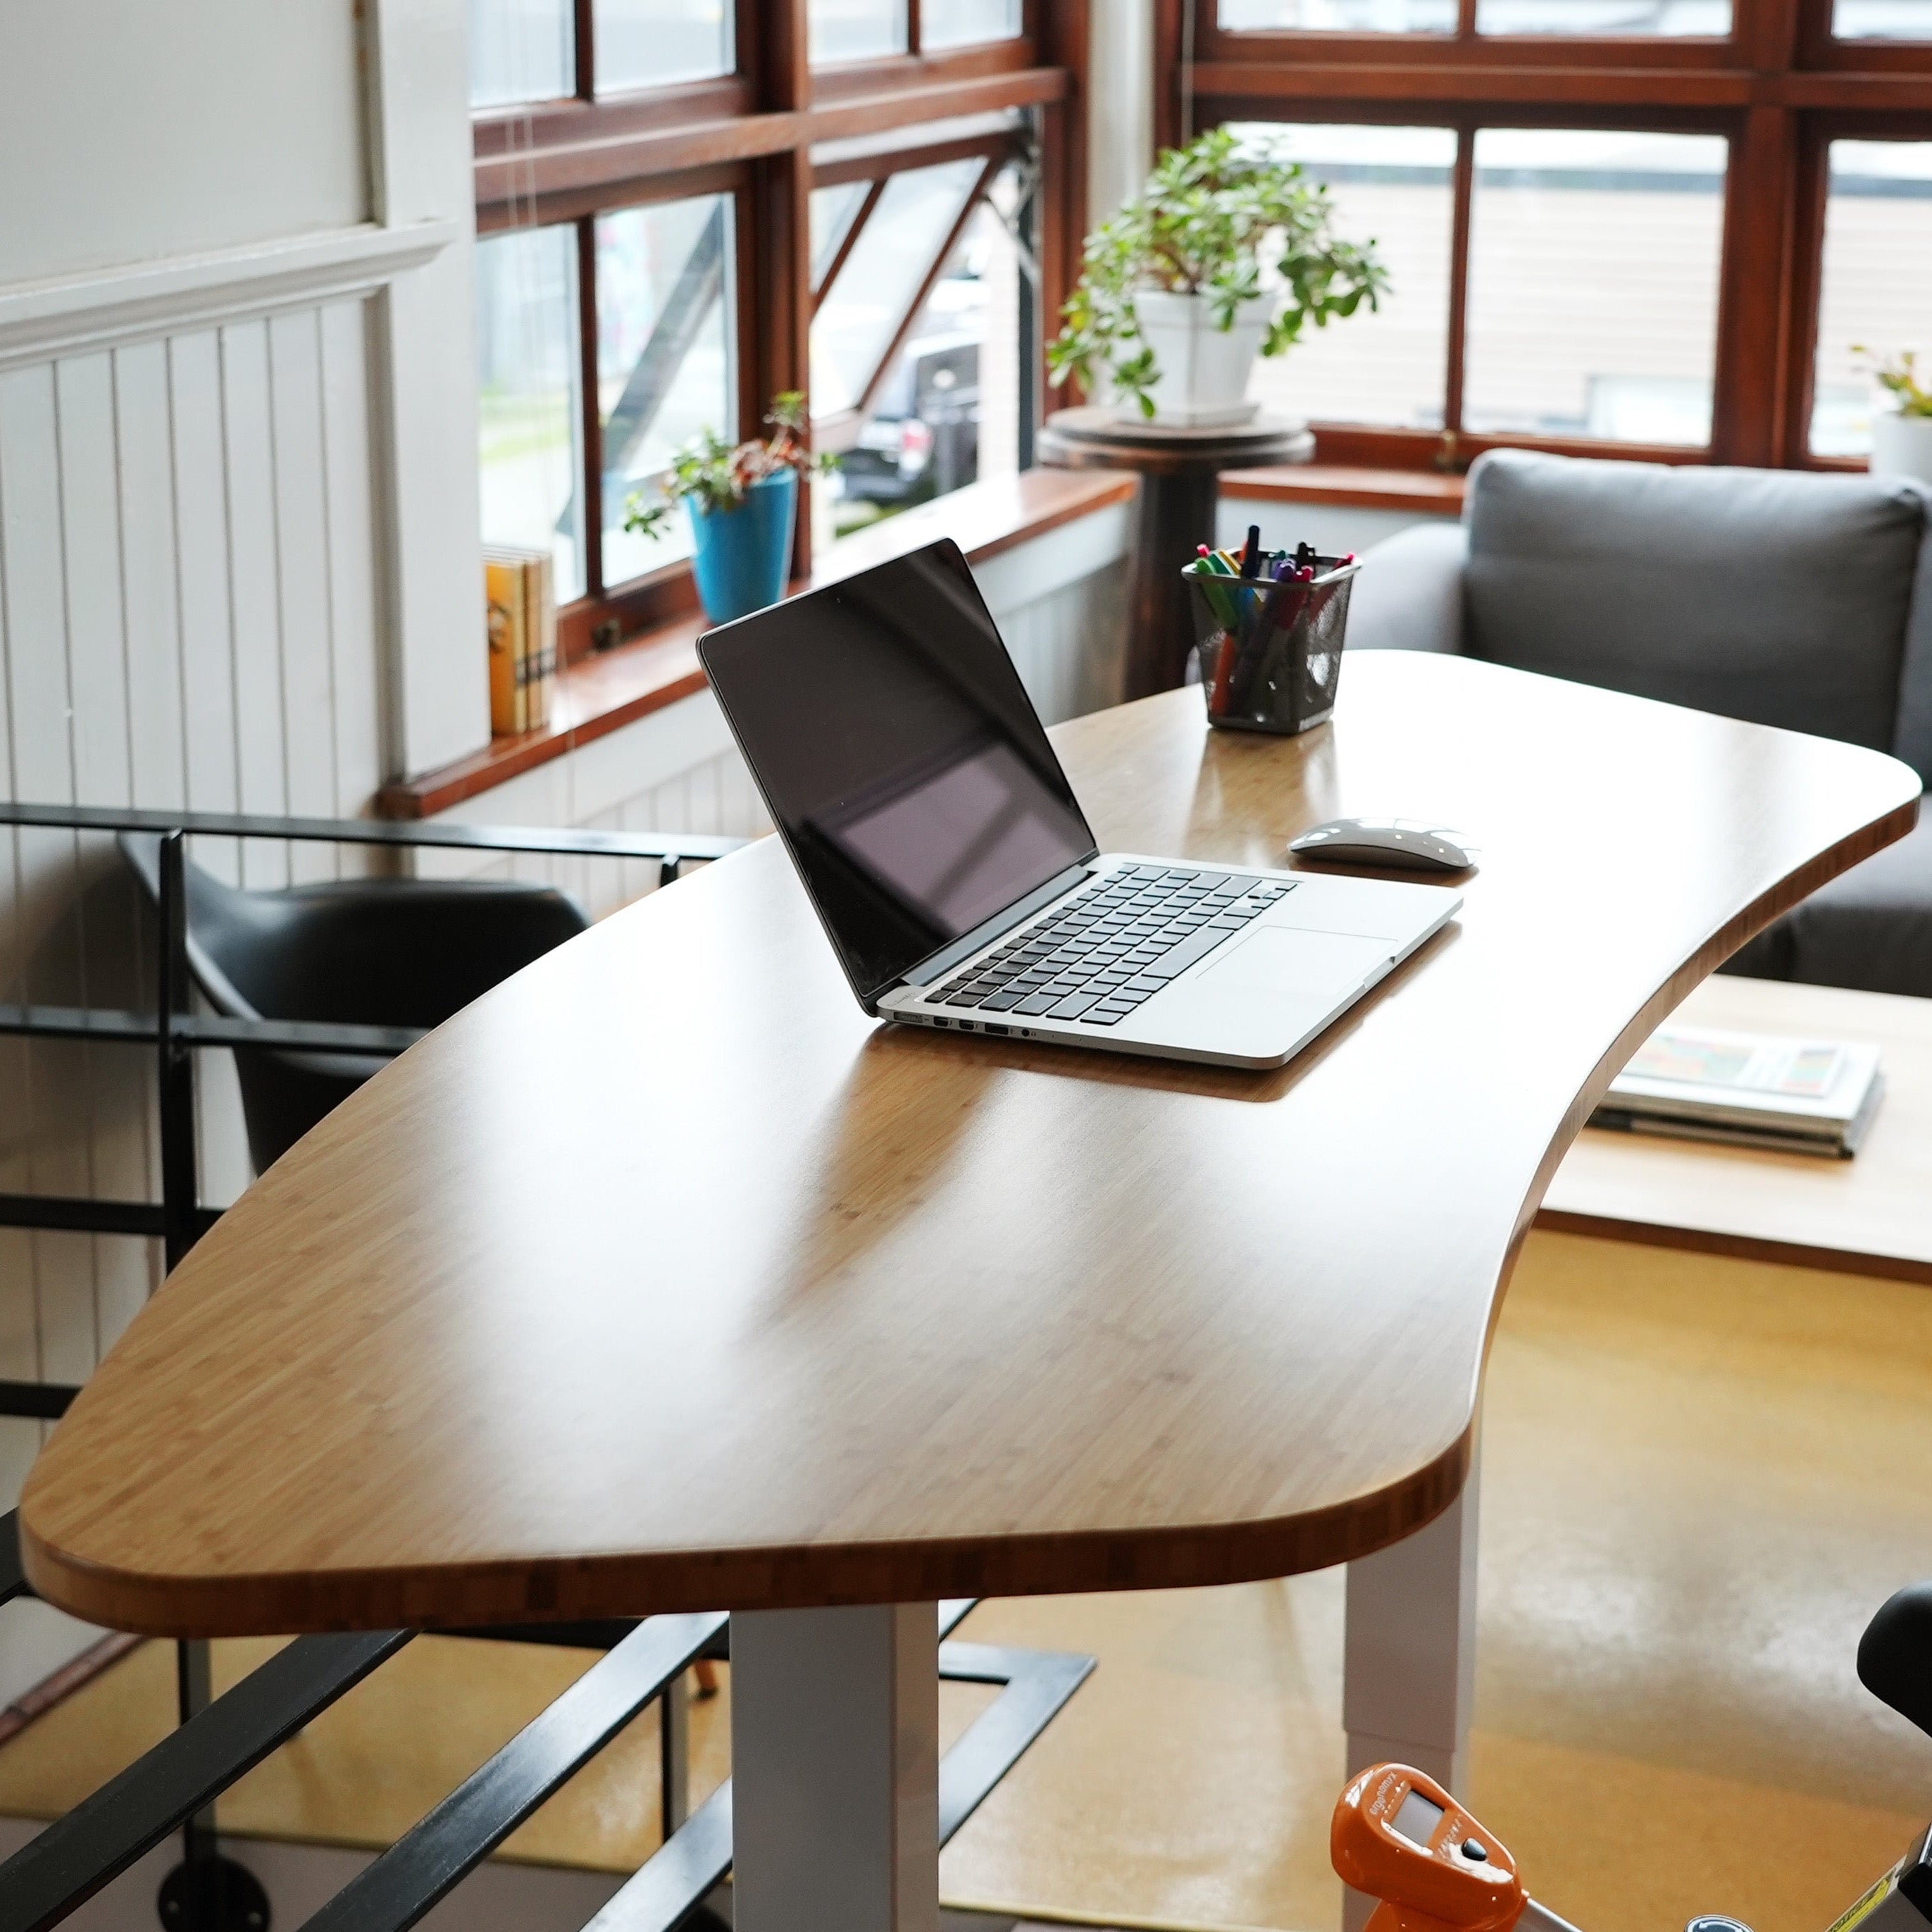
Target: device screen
{"x": 1417, "y": 1818}
{"x": 901, "y": 757}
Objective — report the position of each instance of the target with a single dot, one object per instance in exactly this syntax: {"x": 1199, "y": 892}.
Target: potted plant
{"x": 1172, "y": 302}
{"x": 1901, "y": 435}
{"x": 743, "y": 501}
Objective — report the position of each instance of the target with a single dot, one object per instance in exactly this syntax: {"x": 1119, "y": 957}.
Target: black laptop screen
{"x": 900, "y": 757}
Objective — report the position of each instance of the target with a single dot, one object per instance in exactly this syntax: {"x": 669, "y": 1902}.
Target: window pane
{"x": 530, "y": 408}
{"x": 947, "y": 413}
{"x": 833, "y": 212}
{"x": 664, "y": 350}
{"x": 963, "y": 23}
{"x": 656, "y": 43}
{"x": 1340, "y": 17}
{"x": 1877, "y": 282}
{"x": 865, "y": 304}
{"x": 1593, "y": 283}
{"x": 849, "y": 30}
{"x": 1604, "y": 16}
{"x": 1393, "y": 185}
{"x": 521, "y": 50}
{"x": 1883, "y": 20}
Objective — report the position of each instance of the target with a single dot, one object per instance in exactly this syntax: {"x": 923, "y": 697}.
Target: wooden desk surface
{"x": 1869, "y": 1216}
{"x": 661, "y": 1279}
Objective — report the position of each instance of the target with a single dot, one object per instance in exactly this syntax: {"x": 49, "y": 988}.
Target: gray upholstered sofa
{"x": 1786, "y": 597}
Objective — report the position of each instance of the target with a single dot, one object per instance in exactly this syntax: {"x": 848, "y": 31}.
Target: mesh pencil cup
{"x": 1271, "y": 653}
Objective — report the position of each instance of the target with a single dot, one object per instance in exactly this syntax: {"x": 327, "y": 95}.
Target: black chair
{"x": 399, "y": 952}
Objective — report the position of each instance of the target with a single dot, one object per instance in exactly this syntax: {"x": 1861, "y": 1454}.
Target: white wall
{"x": 132, "y": 132}
{"x": 1335, "y": 528}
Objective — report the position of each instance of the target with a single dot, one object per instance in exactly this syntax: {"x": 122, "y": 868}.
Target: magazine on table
{"x": 1747, "y": 1090}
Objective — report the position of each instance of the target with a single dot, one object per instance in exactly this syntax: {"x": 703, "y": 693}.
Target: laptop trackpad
{"x": 1302, "y": 965}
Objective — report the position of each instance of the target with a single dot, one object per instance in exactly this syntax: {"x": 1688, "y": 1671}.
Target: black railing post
{"x": 180, "y": 1183}
{"x": 191, "y": 1903}
{"x": 194, "y": 1691}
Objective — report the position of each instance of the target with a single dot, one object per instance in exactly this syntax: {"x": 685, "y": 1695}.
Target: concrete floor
{"x": 1700, "y": 1477}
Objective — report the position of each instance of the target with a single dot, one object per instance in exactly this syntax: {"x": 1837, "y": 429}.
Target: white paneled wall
{"x": 1068, "y": 644}
{"x": 188, "y": 617}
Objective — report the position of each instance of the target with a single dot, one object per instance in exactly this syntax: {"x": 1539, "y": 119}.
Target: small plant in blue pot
{"x": 742, "y": 502}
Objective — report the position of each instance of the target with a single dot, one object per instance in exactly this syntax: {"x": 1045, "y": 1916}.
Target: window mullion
{"x": 1804, "y": 290}
{"x": 915, "y": 27}
{"x": 782, "y": 219}
{"x": 584, "y": 13}
{"x": 592, "y": 430}
{"x": 1748, "y": 404}
{"x": 1463, "y": 186}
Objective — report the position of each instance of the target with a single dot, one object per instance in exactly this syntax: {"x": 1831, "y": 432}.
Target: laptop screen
{"x": 900, "y": 757}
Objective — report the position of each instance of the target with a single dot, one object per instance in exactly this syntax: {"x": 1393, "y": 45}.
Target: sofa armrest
{"x": 1408, "y": 596}
{"x": 1913, "y": 740}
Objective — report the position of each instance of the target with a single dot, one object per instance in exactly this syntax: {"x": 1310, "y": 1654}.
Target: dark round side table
{"x": 1180, "y": 473}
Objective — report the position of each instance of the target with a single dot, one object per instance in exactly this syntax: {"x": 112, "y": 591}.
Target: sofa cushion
{"x": 1776, "y": 595}
{"x": 1408, "y": 594}
{"x": 1870, "y": 928}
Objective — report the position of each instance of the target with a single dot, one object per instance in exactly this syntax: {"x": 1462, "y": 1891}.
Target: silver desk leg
{"x": 834, "y": 1769}
{"x": 1409, "y": 1669}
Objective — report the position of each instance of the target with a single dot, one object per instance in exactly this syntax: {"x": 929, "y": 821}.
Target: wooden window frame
{"x": 1779, "y": 88}
{"x": 750, "y": 134}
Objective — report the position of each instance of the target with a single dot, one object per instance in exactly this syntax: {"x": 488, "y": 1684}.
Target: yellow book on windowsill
{"x": 506, "y": 605}
{"x": 523, "y": 637}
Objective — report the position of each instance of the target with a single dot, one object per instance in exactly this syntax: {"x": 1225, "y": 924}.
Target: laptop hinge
{"x": 943, "y": 961}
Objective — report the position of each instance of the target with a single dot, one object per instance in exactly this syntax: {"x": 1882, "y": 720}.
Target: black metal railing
{"x": 207, "y": 1885}
{"x": 180, "y": 1778}
{"x": 173, "y": 1787}
{"x": 177, "y": 1033}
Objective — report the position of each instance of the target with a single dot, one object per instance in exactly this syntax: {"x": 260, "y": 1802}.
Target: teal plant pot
{"x": 741, "y": 555}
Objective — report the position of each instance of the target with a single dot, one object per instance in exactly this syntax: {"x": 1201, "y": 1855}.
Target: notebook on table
{"x": 1747, "y": 1090}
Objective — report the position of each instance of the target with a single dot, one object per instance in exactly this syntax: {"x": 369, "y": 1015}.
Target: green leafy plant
{"x": 716, "y": 474}
{"x": 1210, "y": 214}
{"x": 1898, "y": 376}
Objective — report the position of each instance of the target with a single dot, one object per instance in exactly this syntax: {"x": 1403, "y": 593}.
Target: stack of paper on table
{"x": 1752, "y": 1089}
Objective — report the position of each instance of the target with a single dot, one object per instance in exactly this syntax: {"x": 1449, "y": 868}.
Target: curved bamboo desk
{"x": 661, "y": 1278}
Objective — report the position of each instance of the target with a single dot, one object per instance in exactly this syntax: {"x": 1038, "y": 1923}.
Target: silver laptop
{"x": 955, "y": 874}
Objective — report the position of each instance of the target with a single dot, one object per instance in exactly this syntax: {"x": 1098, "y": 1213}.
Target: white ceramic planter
{"x": 1902, "y": 446}
{"x": 1203, "y": 382}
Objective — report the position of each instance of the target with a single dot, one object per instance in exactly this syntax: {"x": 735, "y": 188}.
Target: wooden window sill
{"x": 1427, "y": 492}
{"x": 603, "y": 693}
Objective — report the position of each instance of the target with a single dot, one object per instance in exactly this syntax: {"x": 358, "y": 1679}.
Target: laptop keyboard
{"x": 1101, "y": 955}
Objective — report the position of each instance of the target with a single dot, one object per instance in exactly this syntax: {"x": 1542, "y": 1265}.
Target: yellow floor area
{"x": 1699, "y": 1478}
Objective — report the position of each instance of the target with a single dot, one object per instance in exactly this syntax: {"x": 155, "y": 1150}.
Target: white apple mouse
{"x": 1397, "y": 845}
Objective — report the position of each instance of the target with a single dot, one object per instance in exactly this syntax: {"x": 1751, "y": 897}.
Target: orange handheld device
{"x": 1398, "y": 1836}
